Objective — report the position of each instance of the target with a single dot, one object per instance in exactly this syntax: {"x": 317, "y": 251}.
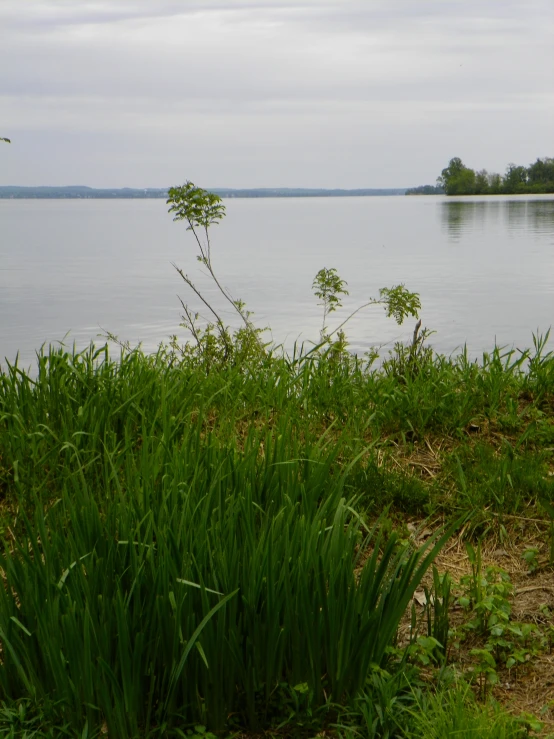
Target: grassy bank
{"x": 206, "y": 546}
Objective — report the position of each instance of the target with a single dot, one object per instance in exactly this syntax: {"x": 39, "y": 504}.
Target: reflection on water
{"x": 460, "y": 217}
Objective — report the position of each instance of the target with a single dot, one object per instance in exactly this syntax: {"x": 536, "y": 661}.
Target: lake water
{"x": 73, "y": 269}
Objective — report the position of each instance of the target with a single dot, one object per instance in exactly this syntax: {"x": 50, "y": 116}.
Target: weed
{"x": 438, "y": 603}
{"x": 530, "y": 557}
{"x": 455, "y": 712}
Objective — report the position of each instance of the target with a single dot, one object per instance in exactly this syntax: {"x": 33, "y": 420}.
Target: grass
{"x": 206, "y": 546}
{"x": 455, "y": 713}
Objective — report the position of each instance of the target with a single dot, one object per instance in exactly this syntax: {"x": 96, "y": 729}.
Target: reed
{"x": 197, "y": 583}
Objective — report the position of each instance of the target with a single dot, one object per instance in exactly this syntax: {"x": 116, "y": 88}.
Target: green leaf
{"x": 17, "y": 622}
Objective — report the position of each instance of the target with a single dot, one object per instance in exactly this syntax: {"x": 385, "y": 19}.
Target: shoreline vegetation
{"x": 14, "y": 193}
{"x": 536, "y": 179}
{"x": 225, "y": 540}
{"x": 426, "y": 190}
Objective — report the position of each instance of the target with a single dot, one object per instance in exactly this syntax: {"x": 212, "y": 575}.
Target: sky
{"x": 271, "y": 93}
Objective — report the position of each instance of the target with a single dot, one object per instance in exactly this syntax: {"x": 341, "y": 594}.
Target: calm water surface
{"x": 71, "y": 269}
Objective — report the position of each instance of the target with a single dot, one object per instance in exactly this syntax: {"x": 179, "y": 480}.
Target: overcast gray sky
{"x": 261, "y": 93}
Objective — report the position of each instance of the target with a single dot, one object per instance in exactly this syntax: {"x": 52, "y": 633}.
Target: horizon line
{"x": 230, "y": 189}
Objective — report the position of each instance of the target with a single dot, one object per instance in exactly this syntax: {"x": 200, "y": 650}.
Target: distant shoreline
{"x": 78, "y": 192}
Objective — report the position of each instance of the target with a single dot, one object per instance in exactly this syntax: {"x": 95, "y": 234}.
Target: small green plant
{"x": 438, "y": 603}
{"x": 407, "y": 360}
{"x": 486, "y": 594}
{"x": 399, "y": 303}
{"x": 328, "y": 287}
{"x": 529, "y": 722}
{"x": 484, "y": 670}
{"x": 530, "y": 557}
{"x": 201, "y": 209}
{"x": 426, "y": 650}
{"x": 473, "y": 583}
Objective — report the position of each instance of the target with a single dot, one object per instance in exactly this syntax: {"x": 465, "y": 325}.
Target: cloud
{"x": 315, "y": 71}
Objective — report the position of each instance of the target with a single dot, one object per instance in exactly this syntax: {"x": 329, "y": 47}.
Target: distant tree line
{"x": 457, "y": 179}
{"x": 426, "y": 190}
{"x": 78, "y": 191}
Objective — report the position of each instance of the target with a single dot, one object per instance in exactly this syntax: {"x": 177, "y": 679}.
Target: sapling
{"x": 328, "y": 286}
{"x": 201, "y": 210}
{"x": 399, "y": 303}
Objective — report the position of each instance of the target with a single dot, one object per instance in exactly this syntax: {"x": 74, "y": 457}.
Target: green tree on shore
{"x": 457, "y": 179}
{"x": 482, "y": 186}
{"x": 540, "y": 175}
{"x": 515, "y": 179}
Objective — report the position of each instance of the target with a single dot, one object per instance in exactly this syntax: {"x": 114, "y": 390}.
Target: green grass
{"x": 188, "y": 547}
{"x": 399, "y": 706}
{"x": 456, "y": 713}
